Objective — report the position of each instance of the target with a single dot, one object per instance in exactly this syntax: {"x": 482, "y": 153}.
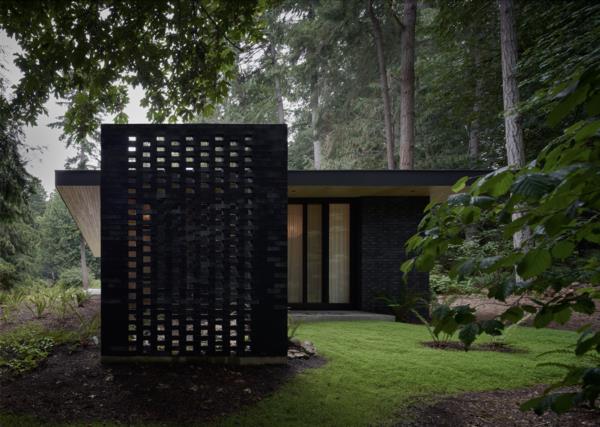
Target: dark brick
{"x": 386, "y": 223}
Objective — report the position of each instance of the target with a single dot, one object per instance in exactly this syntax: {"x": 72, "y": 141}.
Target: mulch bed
{"x": 454, "y": 345}
{"x": 72, "y": 385}
{"x": 493, "y": 408}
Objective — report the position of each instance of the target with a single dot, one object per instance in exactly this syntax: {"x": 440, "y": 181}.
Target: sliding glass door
{"x": 319, "y": 253}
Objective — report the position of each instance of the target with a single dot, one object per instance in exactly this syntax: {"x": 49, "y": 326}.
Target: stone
{"x": 309, "y": 348}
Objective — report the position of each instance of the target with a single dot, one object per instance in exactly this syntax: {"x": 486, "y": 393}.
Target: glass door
{"x": 319, "y": 253}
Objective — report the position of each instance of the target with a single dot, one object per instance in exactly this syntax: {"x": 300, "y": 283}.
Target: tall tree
{"x": 315, "y": 87}
{"x": 385, "y": 91}
{"x": 277, "y": 83}
{"x": 407, "y": 85}
{"x": 515, "y": 153}
{"x": 474, "y": 127}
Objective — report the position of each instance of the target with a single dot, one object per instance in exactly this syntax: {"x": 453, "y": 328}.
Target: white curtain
{"x": 294, "y": 263}
{"x": 314, "y": 256}
{"x": 339, "y": 253}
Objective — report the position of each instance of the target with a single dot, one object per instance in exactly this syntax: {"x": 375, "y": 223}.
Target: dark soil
{"x": 72, "y": 385}
{"x": 454, "y": 345}
{"x": 494, "y": 408}
{"x": 76, "y": 386}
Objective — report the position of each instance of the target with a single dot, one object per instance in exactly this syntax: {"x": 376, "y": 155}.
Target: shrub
{"x": 71, "y": 278}
{"x": 24, "y": 348}
{"x": 10, "y": 302}
{"x": 39, "y": 300}
{"x": 8, "y": 275}
{"x": 88, "y": 329}
{"x": 66, "y": 300}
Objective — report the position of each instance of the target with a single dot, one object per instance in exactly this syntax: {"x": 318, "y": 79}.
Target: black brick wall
{"x": 194, "y": 240}
{"x": 386, "y": 223}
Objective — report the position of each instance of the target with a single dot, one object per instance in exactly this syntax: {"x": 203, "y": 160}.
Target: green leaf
{"x": 407, "y": 265}
{"x": 563, "y": 249}
{"x": 589, "y": 130}
{"x": 460, "y": 184}
{"x": 538, "y": 404}
{"x": 468, "y": 334}
{"x": 497, "y": 184}
{"x": 534, "y": 185}
{"x": 492, "y": 327}
{"x": 543, "y": 318}
{"x": 534, "y": 262}
{"x": 482, "y": 201}
{"x": 592, "y": 233}
{"x": 586, "y": 342}
{"x": 593, "y": 105}
{"x": 567, "y": 105}
{"x": 562, "y": 316}
{"x": 470, "y": 214}
{"x": 424, "y": 262}
{"x": 584, "y": 304}
{"x": 464, "y": 314}
{"x": 562, "y": 402}
{"x": 460, "y": 199}
{"x": 513, "y": 314}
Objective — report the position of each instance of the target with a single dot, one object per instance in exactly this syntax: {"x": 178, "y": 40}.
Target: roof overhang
{"x": 435, "y": 184}
{"x": 80, "y": 190}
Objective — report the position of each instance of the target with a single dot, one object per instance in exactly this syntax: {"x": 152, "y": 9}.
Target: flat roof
{"x": 80, "y": 190}
{"x": 379, "y": 178}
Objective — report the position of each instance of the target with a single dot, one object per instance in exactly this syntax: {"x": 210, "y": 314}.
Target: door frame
{"x": 354, "y": 260}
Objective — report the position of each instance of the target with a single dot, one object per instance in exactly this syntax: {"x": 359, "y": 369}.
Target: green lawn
{"x": 376, "y": 368}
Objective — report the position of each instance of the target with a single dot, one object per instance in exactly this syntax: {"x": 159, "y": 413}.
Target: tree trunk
{"x": 407, "y": 86}
{"x": 84, "y": 270}
{"x": 385, "y": 90}
{"x": 515, "y": 152}
{"x": 314, "y": 120}
{"x": 474, "y": 127}
{"x": 278, "y": 95}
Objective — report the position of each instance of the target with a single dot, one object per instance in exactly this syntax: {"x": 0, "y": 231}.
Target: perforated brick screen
{"x": 194, "y": 240}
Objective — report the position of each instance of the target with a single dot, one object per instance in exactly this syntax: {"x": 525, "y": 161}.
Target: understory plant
{"x": 38, "y": 301}
{"x": 446, "y": 320}
{"x": 24, "y": 348}
{"x": 405, "y": 304}
{"x": 553, "y": 204}
{"x": 292, "y": 326}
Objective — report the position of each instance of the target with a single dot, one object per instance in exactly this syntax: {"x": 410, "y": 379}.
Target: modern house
{"x": 206, "y": 238}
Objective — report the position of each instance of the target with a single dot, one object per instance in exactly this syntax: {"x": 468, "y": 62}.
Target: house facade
{"x": 206, "y": 239}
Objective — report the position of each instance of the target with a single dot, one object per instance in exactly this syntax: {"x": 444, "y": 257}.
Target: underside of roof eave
{"x": 80, "y": 191}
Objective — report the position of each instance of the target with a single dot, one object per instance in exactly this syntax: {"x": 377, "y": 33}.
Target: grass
{"x": 377, "y": 368}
